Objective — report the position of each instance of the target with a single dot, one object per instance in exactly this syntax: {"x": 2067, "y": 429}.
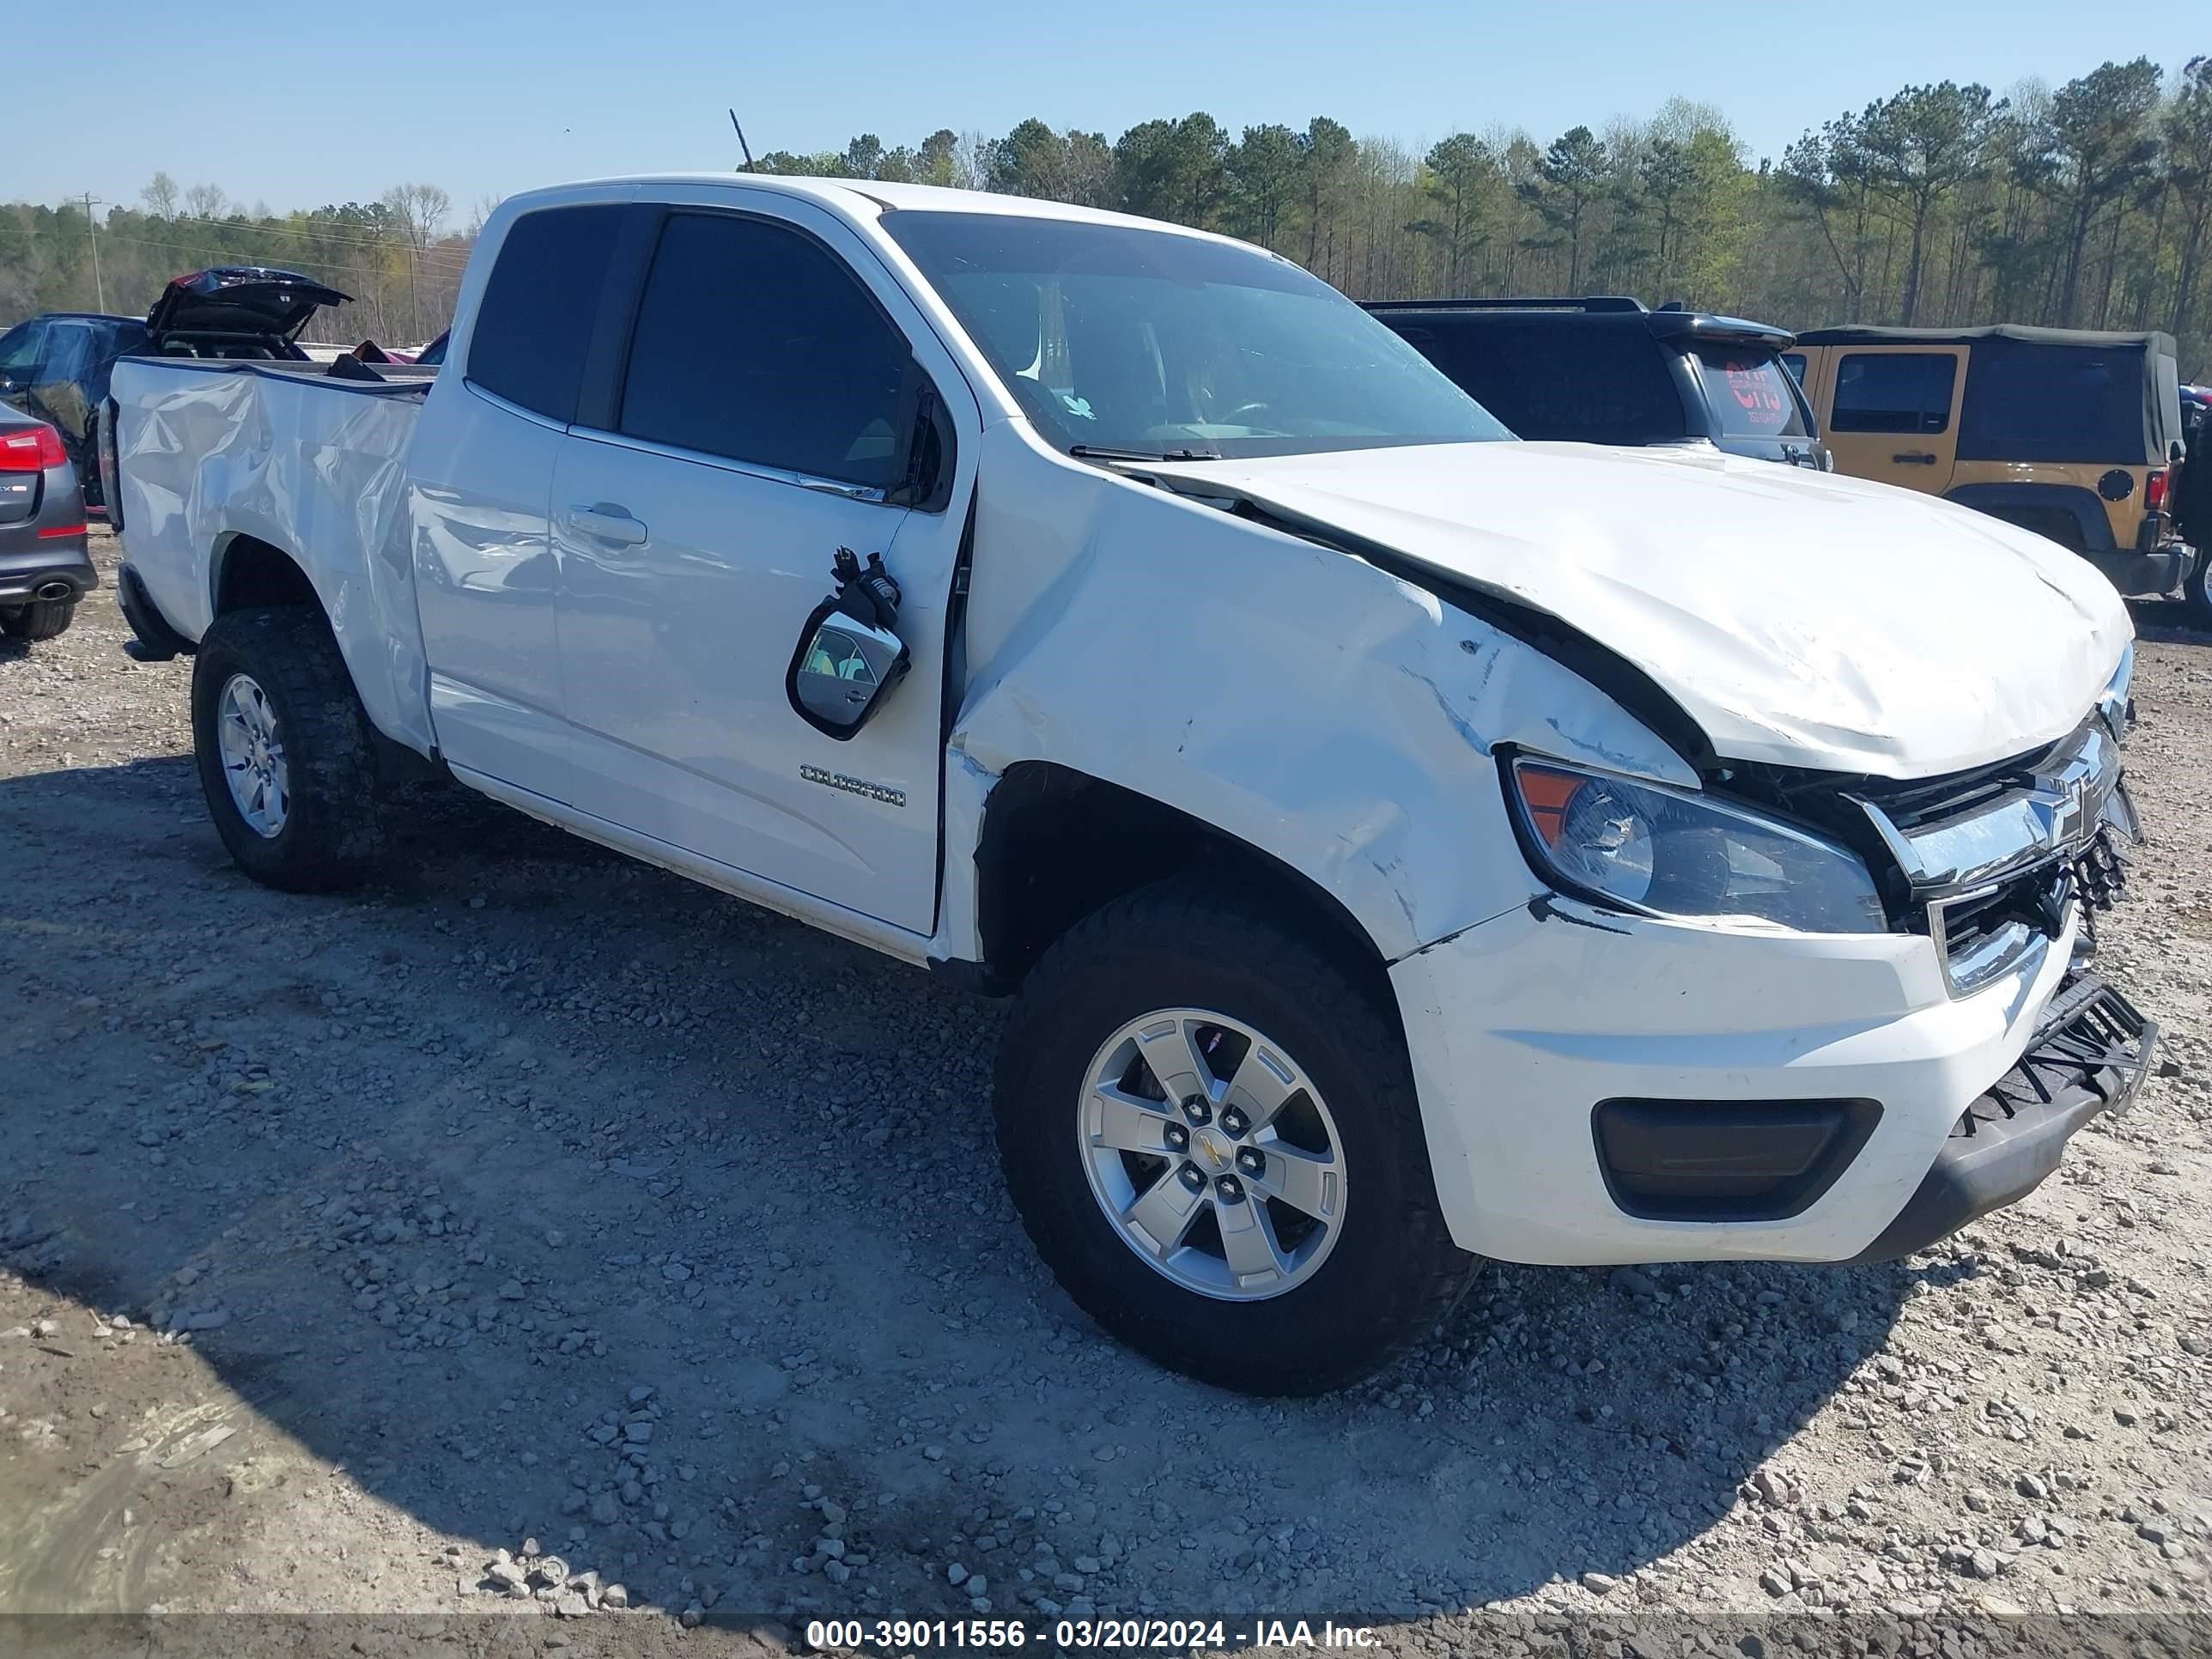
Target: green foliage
{"x": 1464, "y": 181}
{"x": 1175, "y": 170}
{"x": 1920, "y": 147}
{"x": 1571, "y": 176}
{"x": 1263, "y": 182}
{"x": 1060, "y": 166}
{"x": 392, "y": 255}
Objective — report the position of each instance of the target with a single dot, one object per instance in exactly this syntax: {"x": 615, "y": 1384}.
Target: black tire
{"x": 330, "y": 835}
{"x": 2196, "y": 602}
{"x": 1392, "y": 1271}
{"x": 41, "y": 619}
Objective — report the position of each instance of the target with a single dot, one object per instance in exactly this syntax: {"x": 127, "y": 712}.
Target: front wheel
{"x": 285, "y": 750}
{"x": 1208, "y": 1124}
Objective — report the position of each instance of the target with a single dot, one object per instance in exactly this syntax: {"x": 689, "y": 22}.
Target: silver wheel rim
{"x": 1212, "y": 1154}
{"x": 253, "y": 751}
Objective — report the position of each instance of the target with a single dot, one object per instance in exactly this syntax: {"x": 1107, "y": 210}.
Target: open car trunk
{"x": 237, "y": 311}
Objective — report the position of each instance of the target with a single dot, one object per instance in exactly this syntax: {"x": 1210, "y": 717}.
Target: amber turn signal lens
{"x": 1548, "y": 794}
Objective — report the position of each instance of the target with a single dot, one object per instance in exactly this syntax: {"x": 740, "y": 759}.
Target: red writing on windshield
{"x": 1758, "y": 392}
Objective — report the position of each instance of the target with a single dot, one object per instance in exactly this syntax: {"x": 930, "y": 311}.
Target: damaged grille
{"x": 1996, "y": 863}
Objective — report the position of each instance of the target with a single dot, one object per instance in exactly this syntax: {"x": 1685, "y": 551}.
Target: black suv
{"x": 1605, "y": 370}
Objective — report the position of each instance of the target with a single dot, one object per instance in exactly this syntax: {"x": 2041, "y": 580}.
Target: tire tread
{"x": 332, "y": 838}
{"x": 38, "y": 619}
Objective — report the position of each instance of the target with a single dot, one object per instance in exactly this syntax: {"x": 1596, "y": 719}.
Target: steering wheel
{"x": 1236, "y": 415}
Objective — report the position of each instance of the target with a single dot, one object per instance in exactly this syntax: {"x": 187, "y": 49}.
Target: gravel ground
{"x": 539, "y": 1225}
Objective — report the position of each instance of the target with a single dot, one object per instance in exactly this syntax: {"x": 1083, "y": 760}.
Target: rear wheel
{"x": 41, "y": 619}
{"x": 285, "y": 750}
{"x": 1209, "y": 1126}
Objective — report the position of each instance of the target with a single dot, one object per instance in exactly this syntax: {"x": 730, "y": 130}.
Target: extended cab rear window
{"x": 1749, "y": 392}
{"x": 534, "y": 323}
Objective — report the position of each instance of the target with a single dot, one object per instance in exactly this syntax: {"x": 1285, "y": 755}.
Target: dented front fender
{"x": 1293, "y": 697}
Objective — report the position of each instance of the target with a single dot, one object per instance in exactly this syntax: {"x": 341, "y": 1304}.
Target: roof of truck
{"x": 908, "y": 199}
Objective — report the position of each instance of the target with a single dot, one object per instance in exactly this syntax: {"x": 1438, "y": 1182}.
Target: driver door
{"x": 762, "y": 423}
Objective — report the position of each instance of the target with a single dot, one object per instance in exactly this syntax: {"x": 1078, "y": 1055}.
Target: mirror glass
{"x": 845, "y": 668}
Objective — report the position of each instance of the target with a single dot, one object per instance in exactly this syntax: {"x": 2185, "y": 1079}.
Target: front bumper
{"x": 1520, "y": 1027}
{"x": 2089, "y": 1056}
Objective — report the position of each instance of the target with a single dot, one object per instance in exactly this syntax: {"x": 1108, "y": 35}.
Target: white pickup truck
{"x": 1407, "y": 845}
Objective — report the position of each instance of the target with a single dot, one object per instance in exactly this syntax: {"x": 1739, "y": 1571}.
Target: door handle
{"x": 608, "y": 522}
{"x": 1914, "y": 458}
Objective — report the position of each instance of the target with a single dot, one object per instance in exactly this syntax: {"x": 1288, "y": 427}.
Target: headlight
{"x": 1671, "y": 853}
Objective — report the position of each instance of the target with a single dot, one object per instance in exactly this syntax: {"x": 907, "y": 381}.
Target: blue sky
{"x": 285, "y": 105}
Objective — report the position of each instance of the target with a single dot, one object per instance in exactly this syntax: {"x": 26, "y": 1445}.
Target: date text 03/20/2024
{"x": 998, "y": 1635}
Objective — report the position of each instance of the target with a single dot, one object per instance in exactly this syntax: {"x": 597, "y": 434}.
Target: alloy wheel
{"x": 253, "y": 751}
{"x": 1212, "y": 1155}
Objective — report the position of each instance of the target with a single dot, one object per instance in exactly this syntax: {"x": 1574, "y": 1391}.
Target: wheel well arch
{"x": 1058, "y": 843}
{"x": 250, "y": 572}
{"x": 2062, "y": 506}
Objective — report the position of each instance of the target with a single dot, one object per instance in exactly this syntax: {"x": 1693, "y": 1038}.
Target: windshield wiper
{"x": 1100, "y": 453}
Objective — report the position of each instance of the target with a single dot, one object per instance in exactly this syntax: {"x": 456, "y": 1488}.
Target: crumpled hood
{"x": 1800, "y": 618}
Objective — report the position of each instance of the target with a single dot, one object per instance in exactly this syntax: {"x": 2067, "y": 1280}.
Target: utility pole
{"x": 92, "y": 228}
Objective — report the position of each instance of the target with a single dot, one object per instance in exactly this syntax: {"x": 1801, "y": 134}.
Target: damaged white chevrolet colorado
{"x": 1407, "y": 845}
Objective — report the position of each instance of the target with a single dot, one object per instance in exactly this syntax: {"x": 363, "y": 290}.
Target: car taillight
{"x": 34, "y": 450}
{"x": 2154, "y": 492}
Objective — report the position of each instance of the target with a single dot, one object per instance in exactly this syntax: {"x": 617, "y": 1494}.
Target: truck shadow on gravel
{"x": 552, "y": 1197}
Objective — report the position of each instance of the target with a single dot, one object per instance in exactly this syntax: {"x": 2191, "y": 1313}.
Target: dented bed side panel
{"x": 1294, "y": 697}
{"x": 317, "y": 468}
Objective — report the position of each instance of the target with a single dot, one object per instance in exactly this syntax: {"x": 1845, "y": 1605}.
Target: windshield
{"x": 1153, "y": 343}
{"x": 1749, "y": 396}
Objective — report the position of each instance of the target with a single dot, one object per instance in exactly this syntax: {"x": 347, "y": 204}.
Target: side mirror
{"x": 848, "y": 658}
{"x": 843, "y": 671}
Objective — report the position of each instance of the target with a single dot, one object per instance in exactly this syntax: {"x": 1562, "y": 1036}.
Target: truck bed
{"x": 210, "y": 451}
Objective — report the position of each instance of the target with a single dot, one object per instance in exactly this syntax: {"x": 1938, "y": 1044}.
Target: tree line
{"x": 2086, "y": 205}
{"x": 400, "y": 256}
